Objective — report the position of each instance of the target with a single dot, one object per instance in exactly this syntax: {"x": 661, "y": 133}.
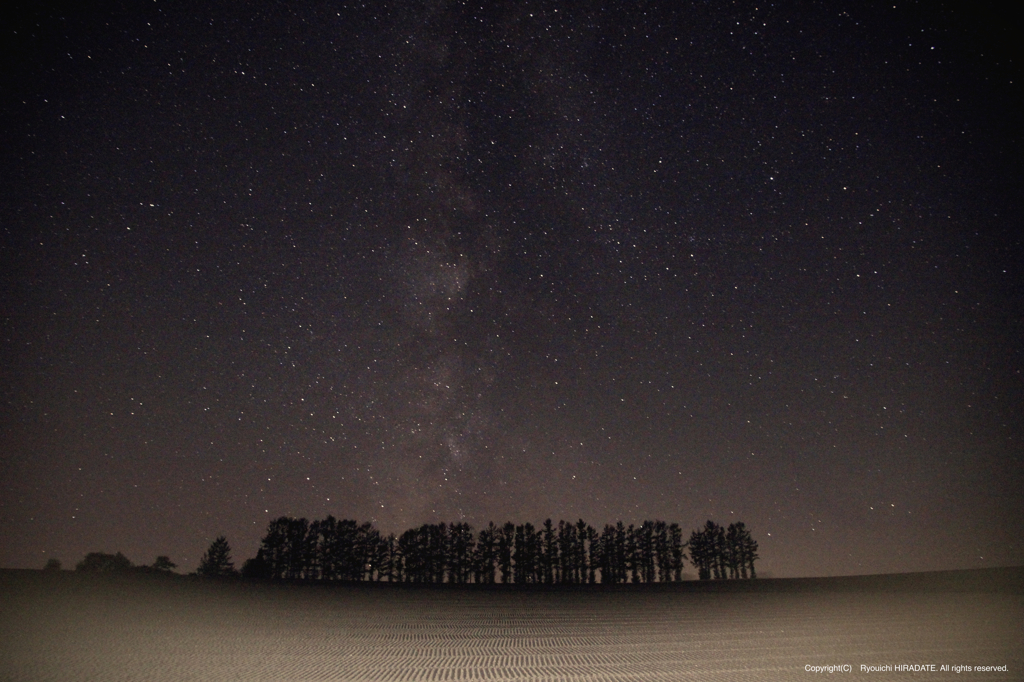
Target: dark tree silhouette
{"x": 566, "y": 552}
{"x": 742, "y": 551}
{"x": 273, "y": 548}
{"x": 461, "y": 546}
{"x": 606, "y": 554}
{"x": 506, "y": 543}
{"x": 527, "y": 545}
{"x": 593, "y": 561}
{"x": 437, "y": 553}
{"x": 298, "y": 549}
{"x": 386, "y": 558}
{"x": 52, "y": 565}
{"x": 582, "y": 568}
{"x": 720, "y": 554}
{"x": 410, "y": 568}
{"x": 257, "y": 567}
{"x": 676, "y": 553}
{"x": 645, "y": 551}
{"x": 322, "y": 533}
{"x": 163, "y": 563}
{"x": 571, "y": 553}
{"x": 548, "y": 553}
{"x": 633, "y": 553}
{"x": 217, "y": 560}
{"x": 661, "y": 551}
{"x": 98, "y": 562}
{"x": 486, "y": 554}
{"x": 700, "y": 554}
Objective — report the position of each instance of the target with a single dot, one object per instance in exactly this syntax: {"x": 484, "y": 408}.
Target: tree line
{"x": 563, "y": 554}
{"x": 566, "y": 553}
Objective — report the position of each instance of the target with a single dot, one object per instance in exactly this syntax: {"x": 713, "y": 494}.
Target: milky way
{"x": 432, "y": 262}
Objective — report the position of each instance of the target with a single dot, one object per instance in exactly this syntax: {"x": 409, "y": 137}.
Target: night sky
{"x": 434, "y": 261}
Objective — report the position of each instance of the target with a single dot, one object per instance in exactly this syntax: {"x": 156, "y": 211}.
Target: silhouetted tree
{"x": 257, "y": 567}
{"x": 321, "y": 533}
{"x": 700, "y": 554}
{"x": 52, "y": 565}
{"x": 386, "y": 558}
{"x": 605, "y": 554}
{"x": 411, "y": 556}
{"x": 299, "y": 549}
{"x": 460, "y": 555}
{"x": 633, "y": 558}
{"x": 438, "y": 551}
{"x": 621, "y": 553}
{"x": 163, "y": 563}
{"x": 582, "y": 568}
{"x": 217, "y": 560}
{"x": 721, "y": 554}
{"x": 742, "y": 551}
{"x": 274, "y": 547}
{"x": 549, "y": 554}
{"x": 588, "y": 540}
{"x": 506, "y": 543}
{"x": 566, "y": 552}
{"x": 98, "y": 562}
{"x": 527, "y": 546}
{"x": 645, "y": 551}
{"x": 676, "y": 553}
{"x": 486, "y": 554}
{"x": 661, "y": 551}
{"x": 719, "y": 550}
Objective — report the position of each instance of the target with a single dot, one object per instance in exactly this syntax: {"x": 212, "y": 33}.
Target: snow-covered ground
{"x": 70, "y": 627}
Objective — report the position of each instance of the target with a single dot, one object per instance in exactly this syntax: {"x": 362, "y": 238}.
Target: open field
{"x": 66, "y": 626}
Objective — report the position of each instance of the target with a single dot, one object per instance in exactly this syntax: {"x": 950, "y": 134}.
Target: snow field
{"x": 177, "y": 630}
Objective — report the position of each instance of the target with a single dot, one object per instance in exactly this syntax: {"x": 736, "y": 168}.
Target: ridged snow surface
{"x": 179, "y": 630}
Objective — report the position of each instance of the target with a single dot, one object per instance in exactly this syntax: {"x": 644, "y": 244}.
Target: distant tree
{"x": 385, "y": 558}
{"x": 163, "y": 563}
{"x": 527, "y": 545}
{"x": 486, "y": 554}
{"x": 645, "y": 551}
{"x": 593, "y": 553}
{"x": 709, "y": 551}
{"x": 549, "y": 553}
{"x": 676, "y": 552}
{"x": 410, "y": 556}
{"x": 620, "y": 553}
{"x": 733, "y": 552}
{"x": 460, "y": 552}
{"x": 506, "y": 543}
{"x": 98, "y": 562}
{"x": 299, "y": 549}
{"x": 662, "y": 557}
{"x": 257, "y": 567}
{"x": 742, "y": 551}
{"x": 582, "y": 567}
{"x": 273, "y": 548}
{"x": 719, "y": 551}
{"x": 633, "y": 553}
{"x": 217, "y": 560}
{"x": 566, "y": 572}
{"x": 437, "y": 552}
{"x": 605, "y": 554}
{"x": 52, "y": 565}
{"x": 700, "y": 554}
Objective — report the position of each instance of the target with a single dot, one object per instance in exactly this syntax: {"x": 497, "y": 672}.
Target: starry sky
{"x": 433, "y": 261}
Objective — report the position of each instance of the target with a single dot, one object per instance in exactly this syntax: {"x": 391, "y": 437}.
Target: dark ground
{"x": 68, "y": 626}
